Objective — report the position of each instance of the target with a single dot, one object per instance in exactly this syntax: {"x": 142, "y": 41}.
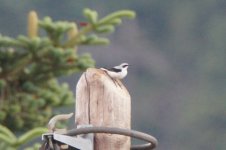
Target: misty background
{"x": 177, "y": 49}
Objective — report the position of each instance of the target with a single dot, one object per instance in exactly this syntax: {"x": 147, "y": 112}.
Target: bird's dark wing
{"x": 114, "y": 69}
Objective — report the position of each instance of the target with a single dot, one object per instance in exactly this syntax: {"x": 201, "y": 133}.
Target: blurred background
{"x": 177, "y": 50}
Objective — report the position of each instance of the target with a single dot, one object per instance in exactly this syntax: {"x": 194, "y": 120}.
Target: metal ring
{"x": 152, "y": 141}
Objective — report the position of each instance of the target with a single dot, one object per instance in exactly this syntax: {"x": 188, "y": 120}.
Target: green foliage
{"x": 35, "y": 104}
{"x": 98, "y": 26}
{"x": 8, "y": 141}
{"x": 27, "y": 79}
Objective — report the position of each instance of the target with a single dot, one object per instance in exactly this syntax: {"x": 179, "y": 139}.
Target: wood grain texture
{"x": 102, "y": 103}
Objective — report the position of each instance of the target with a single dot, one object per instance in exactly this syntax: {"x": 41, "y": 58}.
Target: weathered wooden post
{"x": 100, "y": 102}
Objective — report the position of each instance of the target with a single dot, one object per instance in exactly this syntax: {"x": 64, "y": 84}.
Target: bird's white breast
{"x": 117, "y": 75}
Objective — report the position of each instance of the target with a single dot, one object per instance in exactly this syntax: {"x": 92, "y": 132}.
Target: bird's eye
{"x": 125, "y": 66}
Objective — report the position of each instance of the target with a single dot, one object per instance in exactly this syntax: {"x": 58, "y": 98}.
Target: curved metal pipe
{"x": 152, "y": 141}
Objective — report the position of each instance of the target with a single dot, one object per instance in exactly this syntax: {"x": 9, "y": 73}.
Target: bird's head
{"x": 124, "y": 65}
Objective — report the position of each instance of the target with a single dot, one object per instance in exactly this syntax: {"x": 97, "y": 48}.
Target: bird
{"x": 117, "y": 72}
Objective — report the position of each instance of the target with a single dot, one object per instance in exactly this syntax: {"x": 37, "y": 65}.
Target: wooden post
{"x": 102, "y": 103}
